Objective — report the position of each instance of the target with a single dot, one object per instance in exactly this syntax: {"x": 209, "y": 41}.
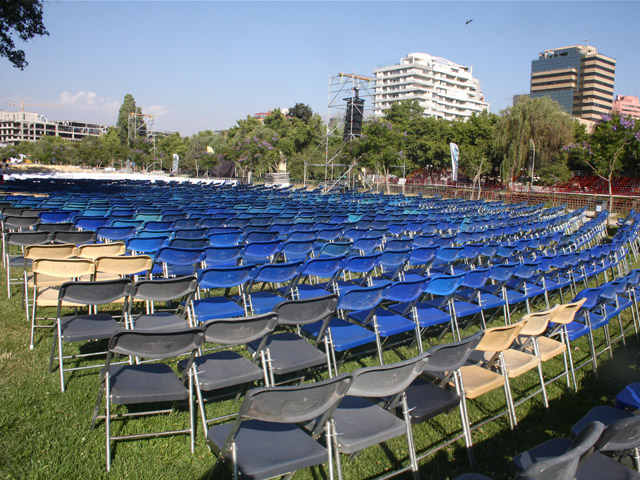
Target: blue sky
{"x": 204, "y": 65}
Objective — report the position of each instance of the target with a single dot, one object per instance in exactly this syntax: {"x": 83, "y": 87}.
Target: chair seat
{"x": 345, "y": 335}
{"x": 598, "y": 466}
{"x": 145, "y": 383}
{"x": 576, "y": 330}
{"x": 519, "y": 362}
{"x": 269, "y": 449}
{"x": 216, "y": 307}
{"x": 466, "y": 309}
{"x": 629, "y": 397}
{"x": 291, "y": 353}
{"x": 549, "y": 449}
{"x": 489, "y": 301}
{"x": 478, "y": 381}
{"x": 549, "y": 348}
{"x": 179, "y": 270}
{"x": 362, "y": 424}
{"x": 427, "y": 316}
{"x": 389, "y": 323}
{"x": 601, "y": 413}
{"x": 427, "y": 400}
{"x": 159, "y": 321}
{"x": 306, "y": 291}
{"x": 263, "y": 302}
{"x": 224, "y": 369}
{"x": 81, "y": 328}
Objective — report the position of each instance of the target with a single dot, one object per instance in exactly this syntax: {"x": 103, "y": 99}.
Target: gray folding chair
{"x": 362, "y": 424}
{"x": 88, "y": 326}
{"x": 428, "y": 399}
{"x": 265, "y": 442}
{"x": 178, "y": 290}
{"x": 10, "y": 223}
{"x": 226, "y": 366}
{"x": 620, "y": 438}
{"x": 290, "y": 352}
{"x": 560, "y": 467}
{"x": 14, "y": 258}
{"x": 147, "y": 383}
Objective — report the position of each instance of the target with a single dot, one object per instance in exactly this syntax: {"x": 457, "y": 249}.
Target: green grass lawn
{"x": 45, "y": 433}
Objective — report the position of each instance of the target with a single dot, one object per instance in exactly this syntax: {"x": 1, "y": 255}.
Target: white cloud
{"x": 156, "y": 110}
{"x": 88, "y": 101}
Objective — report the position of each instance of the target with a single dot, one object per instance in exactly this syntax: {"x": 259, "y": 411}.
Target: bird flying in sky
{"x": 468, "y": 21}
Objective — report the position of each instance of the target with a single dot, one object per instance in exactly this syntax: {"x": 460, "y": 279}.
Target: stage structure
{"x": 141, "y": 125}
{"x": 350, "y": 101}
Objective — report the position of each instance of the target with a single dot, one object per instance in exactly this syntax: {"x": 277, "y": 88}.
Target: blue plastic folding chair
{"x": 276, "y": 274}
{"x": 178, "y": 261}
{"x": 344, "y": 335}
{"x": 222, "y": 306}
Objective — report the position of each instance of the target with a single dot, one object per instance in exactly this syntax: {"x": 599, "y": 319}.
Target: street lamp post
{"x": 533, "y": 160}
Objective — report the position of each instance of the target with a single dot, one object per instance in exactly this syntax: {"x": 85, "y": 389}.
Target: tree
{"x": 537, "y": 119}
{"x": 379, "y": 148}
{"x": 24, "y": 19}
{"x": 478, "y": 151}
{"x": 122, "y": 124}
{"x": 613, "y": 146}
{"x": 301, "y": 111}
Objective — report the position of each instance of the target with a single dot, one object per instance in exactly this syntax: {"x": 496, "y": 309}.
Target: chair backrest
{"x": 452, "y": 356}
{"x": 56, "y": 227}
{"x": 95, "y": 250}
{"x": 365, "y": 298}
{"x": 94, "y": 293}
{"x": 295, "y": 404}
{"x": 190, "y": 232}
{"x": 66, "y": 250}
{"x": 275, "y": 272}
{"x": 156, "y": 345}
{"x": 225, "y": 277}
{"x": 536, "y": 322}
{"x": 77, "y": 238}
{"x": 240, "y": 330}
{"x": 444, "y": 285}
{"x": 115, "y": 233}
{"x": 63, "y": 268}
{"x": 621, "y": 435}
{"x": 405, "y": 291}
{"x": 19, "y": 223}
{"x": 146, "y": 244}
{"x": 498, "y": 339}
{"x": 164, "y": 289}
{"x": 124, "y": 265}
{"x": 566, "y": 313}
{"x": 322, "y": 267}
{"x": 386, "y": 380}
{"x": 24, "y": 239}
{"x": 189, "y": 242}
{"x": 179, "y": 256}
{"x": 564, "y": 467}
{"x": 306, "y": 311}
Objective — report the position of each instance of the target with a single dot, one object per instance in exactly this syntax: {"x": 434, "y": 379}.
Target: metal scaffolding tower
{"x": 349, "y": 95}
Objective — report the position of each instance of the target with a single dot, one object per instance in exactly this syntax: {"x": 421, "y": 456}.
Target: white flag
{"x": 176, "y": 164}
{"x": 455, "y": 155}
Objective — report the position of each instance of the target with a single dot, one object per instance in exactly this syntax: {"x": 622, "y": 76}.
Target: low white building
{"x": 16, "y": 127}
{"x": 444, "y": 89}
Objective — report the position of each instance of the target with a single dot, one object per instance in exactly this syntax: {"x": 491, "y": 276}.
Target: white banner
{"x": 176, "y": 164}
{"x": 455, "y": 155}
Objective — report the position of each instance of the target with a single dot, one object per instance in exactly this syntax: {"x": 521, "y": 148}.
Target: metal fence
{"x": 621, "y": 204}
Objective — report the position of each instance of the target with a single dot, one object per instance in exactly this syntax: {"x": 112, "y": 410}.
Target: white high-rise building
{"x": 443, "y": 88}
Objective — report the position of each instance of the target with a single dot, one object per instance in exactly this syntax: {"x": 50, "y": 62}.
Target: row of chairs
{"x": 463, "y": 370}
